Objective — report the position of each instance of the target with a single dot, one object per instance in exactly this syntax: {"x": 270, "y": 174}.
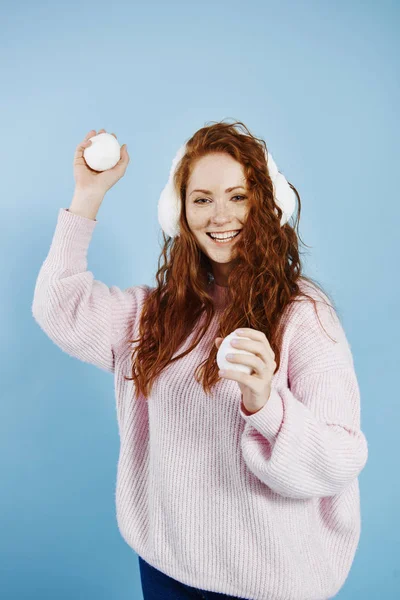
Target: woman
{"x": 231, "y": 484}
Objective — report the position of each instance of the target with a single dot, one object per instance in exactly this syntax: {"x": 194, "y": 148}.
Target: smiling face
{"x": 221, "y": 205}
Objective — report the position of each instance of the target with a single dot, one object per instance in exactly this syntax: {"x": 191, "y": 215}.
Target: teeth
{"x": 224, "y": 237}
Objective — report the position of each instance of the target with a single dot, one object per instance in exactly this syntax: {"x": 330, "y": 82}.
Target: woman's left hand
{"x": 255, "y": 388}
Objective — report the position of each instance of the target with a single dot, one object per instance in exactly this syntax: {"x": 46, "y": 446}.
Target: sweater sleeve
{"x": 306, "y": 440}
{"x": 82, "y": 316}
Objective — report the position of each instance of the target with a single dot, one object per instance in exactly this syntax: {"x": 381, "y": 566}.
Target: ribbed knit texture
{"x": 262, "y": 507}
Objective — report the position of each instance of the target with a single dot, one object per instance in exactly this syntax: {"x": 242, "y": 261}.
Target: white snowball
{"x": 103, "y": 153}
{"x": 226, "y": 348}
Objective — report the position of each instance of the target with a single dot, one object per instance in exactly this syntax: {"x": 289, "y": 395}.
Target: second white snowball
{"x": 226, "y": 348}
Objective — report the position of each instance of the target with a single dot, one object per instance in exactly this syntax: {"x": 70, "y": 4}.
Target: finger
{"x": 257, "y": 348}
{"x": 81, "y": 148}
{"x": 91, "y": 133}
{"x": 85, "y": 143}
{"x": 124, "y": 155}
{"x": 253, "y": 334}
{"x": 238, "y": 376}
{"x": 259, "y": 336}
{"x": 104, "y": 131}
{"x": 218, "y": 342}
{"x": 123, "y": 161}
{"x": 250, "y": 360}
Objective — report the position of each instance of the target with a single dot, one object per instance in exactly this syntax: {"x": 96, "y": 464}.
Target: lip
{"x": 228, "y": 231}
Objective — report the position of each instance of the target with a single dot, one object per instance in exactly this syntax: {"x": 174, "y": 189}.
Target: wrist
{"x": 83, "y": 197}
{"x": 86, "y": 204}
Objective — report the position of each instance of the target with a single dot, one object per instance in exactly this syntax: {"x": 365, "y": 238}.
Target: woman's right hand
{"x": 97, "y": 182}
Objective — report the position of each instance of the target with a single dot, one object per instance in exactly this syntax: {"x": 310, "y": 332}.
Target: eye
{"x": 199, "y": 199}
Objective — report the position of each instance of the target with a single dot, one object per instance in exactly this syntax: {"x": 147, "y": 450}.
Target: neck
{"x": 219, "y": 293}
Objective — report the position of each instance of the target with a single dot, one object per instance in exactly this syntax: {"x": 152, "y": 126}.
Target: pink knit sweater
{"x": 262, "y": 507}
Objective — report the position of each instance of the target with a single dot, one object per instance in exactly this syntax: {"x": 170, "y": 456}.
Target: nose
{"x": 221, "y": 214}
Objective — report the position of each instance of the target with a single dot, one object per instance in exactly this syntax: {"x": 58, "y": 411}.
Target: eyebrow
{"x": 226, "y": 191}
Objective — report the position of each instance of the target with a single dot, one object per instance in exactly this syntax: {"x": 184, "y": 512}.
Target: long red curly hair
{"x": 263, "y": 282}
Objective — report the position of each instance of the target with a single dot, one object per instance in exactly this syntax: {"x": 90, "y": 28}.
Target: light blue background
{"x": 319, "y": 82}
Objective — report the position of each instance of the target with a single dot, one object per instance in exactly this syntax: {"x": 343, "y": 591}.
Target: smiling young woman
{"x": 210, "y": 496}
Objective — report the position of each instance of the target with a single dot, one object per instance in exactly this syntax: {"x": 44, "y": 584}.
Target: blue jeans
{"x": 156, "y": 585}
